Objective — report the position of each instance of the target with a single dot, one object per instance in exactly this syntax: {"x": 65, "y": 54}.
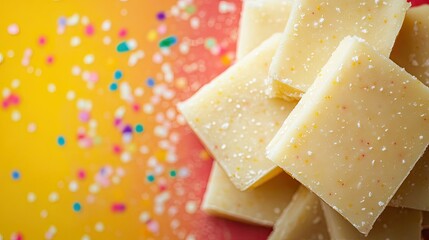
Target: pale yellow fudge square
{"x": 411, "y": 49}
{"x": 357, "y": 133}
{"x": 314, "y": 30}
{"x": 259, "y": 20}
{"x": 302, "y": 219}
{"x": 393, "y": 224}
{"x": 235, "y": 119}
{"x": 414, "y": 192}
{"x": 262, "y": 205}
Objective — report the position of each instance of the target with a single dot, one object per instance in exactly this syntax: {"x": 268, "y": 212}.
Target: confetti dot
{"x": 61, "y": 141}
{"x": 52, "y": 88}
{"x": 1, "y": 58}
{"x": 139, "y": 128}
{"x": 151, "y": 178}
{"x": 16, "y": 175}
{"x": 126, "y": 46}
{"x": 89, "y": 30}
{"x": 122, "y": 33}
{"x": 31, "y": 197}
{"x": 99, "y": 227}
{"x": 88, "y": 59}
{"x": 42, "y": 40}
{"x": 49, "y": 59}
{"x": 70, "y": 95}
{"x": 106, "y": 25}
{"x": 150, "y": 82}
{"x": 53, "y": 197}
{"x": 191, "y": 207}
{"x": 160, "y": 16}
{"x": 117, "y": 75}
{"x": 85, "y": 237}
{"x": 13, "y": 29}
{"x": 16, "y": 116}
{"x": 77, "y": 207}
{"x": 168, "y": 42}
{"x": 75, "y": 41}
{"x": 73, "y": 186}
{"x": 113, "y": 87}
{"x": 31, "y": 128}
{"x": 118, "y": 207}
{"x": 173, "y": 173}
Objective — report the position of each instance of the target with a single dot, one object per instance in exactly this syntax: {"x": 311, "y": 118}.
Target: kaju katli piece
{"x": 302, "y": 219}
{"x": 314, "y": 30}
{"x": 259, "y": 20}
{"x": 235, "y": 119}
{"x": 357, "y": 133}
{"x": 262, "y": 205}
{"x": 393, "y": 223}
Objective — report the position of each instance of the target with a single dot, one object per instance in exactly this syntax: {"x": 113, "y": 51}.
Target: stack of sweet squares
{"x": 320, "y": 127}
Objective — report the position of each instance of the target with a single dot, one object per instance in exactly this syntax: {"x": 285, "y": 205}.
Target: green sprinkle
{"x": 173, "y": 173}
{"x": 210, "y": 42}
{"x": 151, "y": 178}
{"x": 168, "y": 42}
{"x": 139, "y": 128}
{"x": 190, "y": 9}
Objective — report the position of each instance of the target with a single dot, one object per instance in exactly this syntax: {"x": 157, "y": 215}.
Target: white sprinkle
{"x": 53, "y": 197}
{"x": 70, "y": 95}
{"x": 191, "y": 207}
{"x": 421, "y": 137}
{"x": 51, "y": 87}
{"x": 144, "y": 217}
{"x": 73, "y": 186}
{"x": 309, "y": 153}
{"x": 88, "y": 59}
{"x": 225, "y": 126}
{"x": 383, "y": 148}
{"x": 358, "y": 124}
{"x": 99, "y": 227}
{"x": 31, "y": 197}
{"x": 105, "y": 26}
{"x": 15, "y": 83}
{"x": 75, "y": 41}
{"x": 31, "y": 127}
{"x": 85, "y": 237}
{"x": 380, "y": 203}
{"x": 16, "y": 116}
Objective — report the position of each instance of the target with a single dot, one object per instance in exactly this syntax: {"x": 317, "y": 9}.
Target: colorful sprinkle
{"x": 173, "y": 173}
{"x": 168, "y": 42}
{"x": 77, "y": 207}
{"x": 61, "y": 141}
{"x": 151, "y": 178}
{"x": 139, "y": 128}
{"x": 126, "y": 46}
{"x": 160, "y": 16}
{"x": 117, "y": 75}
{"x": 16, "y": 175}
{"x": 150, "y": 82}
{"x": 118, "y": 207}
{"x": 13, "y": 29}
{"x": 113, "y": 87}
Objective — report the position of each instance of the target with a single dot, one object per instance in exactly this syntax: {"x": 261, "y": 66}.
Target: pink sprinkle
{"x": 153, "y": 226}
{"x": 17, "y": 236}
{"x": 122, "y": 33}
{"x": 50, "y": 59}
{"x": 93, "y": 77}
{"x": 136, "y": 107}
{"x": 42, "y": 40}
{"x": 162, "y": 29}
{"x": 117, "y": 149}
{"x": 13, "y": 29}
{"x": 118, "y": 207}
{"x": 81, "y": 174}
{"x": 89, "y": 30}
{"x": 84, "y": 116}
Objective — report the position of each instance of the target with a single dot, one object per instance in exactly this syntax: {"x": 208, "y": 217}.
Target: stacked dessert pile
{"x": 321, "y": 126}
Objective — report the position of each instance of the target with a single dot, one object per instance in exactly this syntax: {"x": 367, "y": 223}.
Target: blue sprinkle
{"x": 16, "y": 175}
{"x": 113, "y": 87}
{"x": 150, "y": 82}
{"x": 77, "y": 207}
{"x": 61, "y": 141}
{"x": 118, "y": 75}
